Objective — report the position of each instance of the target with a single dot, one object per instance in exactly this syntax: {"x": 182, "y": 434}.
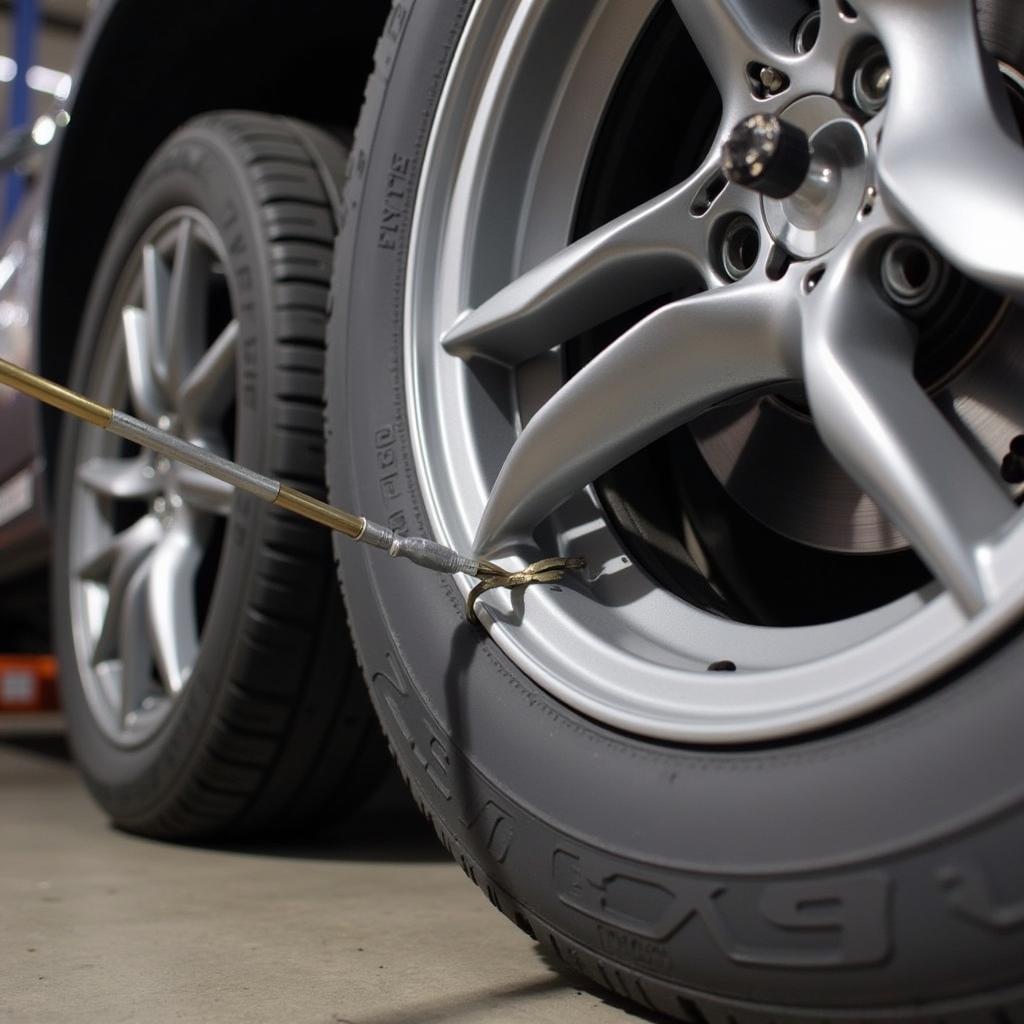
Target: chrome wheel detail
{"x": 142, "y": 525}
{"x": 911, "y": 437}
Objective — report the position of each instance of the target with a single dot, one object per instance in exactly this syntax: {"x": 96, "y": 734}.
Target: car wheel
{"x": 763, "y": 761}
{"x": 207, "y": 676}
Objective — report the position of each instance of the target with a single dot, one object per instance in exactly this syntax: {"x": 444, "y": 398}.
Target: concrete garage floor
{"x": 376, "y": 926}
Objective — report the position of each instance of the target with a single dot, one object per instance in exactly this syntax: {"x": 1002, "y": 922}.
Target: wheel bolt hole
{"x": 911, "y": 273}
{"x": 916, "y": 270}
{"x": 847, "y": 11}
{"x": 743, "y": 250}
{"x": 741, "y": 245}
{"x": 807, "y": 33}
{"x": 722, "y": 666}
{"x": 872, "y": 80}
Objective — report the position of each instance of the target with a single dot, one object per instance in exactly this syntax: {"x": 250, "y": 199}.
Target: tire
{"x": 272, "y": 729}
{"x": 870, "y": 871}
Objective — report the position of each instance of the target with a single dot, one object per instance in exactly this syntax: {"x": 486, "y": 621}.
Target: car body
{"x": 24, "y": 525}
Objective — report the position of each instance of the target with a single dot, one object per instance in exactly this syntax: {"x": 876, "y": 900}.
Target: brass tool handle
{"x": 44, "y": 390}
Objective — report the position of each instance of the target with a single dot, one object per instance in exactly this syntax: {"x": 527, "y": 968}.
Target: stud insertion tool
{"x": 426, "y": 553}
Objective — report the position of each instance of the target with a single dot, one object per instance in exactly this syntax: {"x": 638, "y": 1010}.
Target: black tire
{"x": 873, "y": 873}
{"x": 274, "y": 730}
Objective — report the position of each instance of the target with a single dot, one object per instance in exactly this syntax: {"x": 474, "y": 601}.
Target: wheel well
{"x": 149, "y": 69}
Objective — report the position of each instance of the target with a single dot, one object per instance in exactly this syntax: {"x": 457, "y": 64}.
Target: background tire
{"x": 273, "y": 729}
{"x": 869, "y": 873}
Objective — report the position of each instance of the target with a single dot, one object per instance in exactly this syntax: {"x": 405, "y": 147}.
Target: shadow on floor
{"x": 583, "y": 984}
{"x": 453, "y": 1010}
{"x": 52, "y": 746}
{"x": 389, "y": 828}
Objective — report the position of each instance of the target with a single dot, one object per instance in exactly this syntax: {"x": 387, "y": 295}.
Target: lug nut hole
{"x": 872, "y": 81}
{"x": 807, "y": 32}
{"x": 741, "y": 245}
{"x": 722, "y": 666}
{"x": 911, "y": 273}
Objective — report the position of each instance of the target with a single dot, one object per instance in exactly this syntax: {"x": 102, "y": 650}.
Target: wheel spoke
{"x": 142, "y": 376}
{"x": 730, "y": 35}
{"x": 642, "y": 254}
{"x": 669, "y": 368}
{"x": 951, "y": 158}
{"x": 131, "y": 557}
{"x": 890, "y": 437}
{"x": 130, "y": 544}
{"x": 170, "y": 605}
{"x": 114, "y": 565}
{"x": 156, "y": 280}
{"x": 203, "y": 492}
{"x": 208, "y": 391}
{"x": 124, "y": 479}
{"x": 187, "y": 305}
{"x": 135, "y": 648}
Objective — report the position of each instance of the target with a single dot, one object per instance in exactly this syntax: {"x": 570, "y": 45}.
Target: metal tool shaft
{"x": 426, "y": 553}
{"x": 423, "y": 552}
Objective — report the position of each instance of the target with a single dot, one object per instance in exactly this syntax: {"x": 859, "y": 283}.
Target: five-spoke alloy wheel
{"x": 762, "y": 763}
{"x": 737, "y": 296}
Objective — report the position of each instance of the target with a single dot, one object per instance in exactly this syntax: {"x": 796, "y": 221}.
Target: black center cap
{"x": 768, "y": 155}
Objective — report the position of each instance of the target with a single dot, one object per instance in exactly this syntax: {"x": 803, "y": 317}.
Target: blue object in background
{"x": 26, "y": 28}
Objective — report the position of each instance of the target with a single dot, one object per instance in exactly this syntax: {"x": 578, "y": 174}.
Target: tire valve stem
{"x": 423, "y": 552}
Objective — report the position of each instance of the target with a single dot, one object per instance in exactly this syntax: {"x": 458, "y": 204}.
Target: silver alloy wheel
{"x": 141, "y": 524}
{"x": 506, "y": 448}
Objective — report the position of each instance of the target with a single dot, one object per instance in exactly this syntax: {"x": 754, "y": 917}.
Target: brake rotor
{"x": 770, "y": 460}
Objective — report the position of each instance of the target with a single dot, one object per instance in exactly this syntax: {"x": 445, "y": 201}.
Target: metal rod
{"x": 263, "y": 487}
{"x": 34, "y": 386}
{"x": 423, "y": 552}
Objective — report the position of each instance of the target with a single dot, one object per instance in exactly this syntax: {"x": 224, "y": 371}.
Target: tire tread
{"x": 280, "y": 753}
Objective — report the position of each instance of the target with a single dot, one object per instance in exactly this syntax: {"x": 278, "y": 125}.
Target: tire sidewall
{"x": 193, "y": 169}
{"x": 864, "y": 868}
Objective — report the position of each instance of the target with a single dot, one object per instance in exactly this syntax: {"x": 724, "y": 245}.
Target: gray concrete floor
{"x": 374, "y": 926}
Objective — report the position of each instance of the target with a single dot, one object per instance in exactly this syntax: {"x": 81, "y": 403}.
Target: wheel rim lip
{"x": 838, "y": 671}
{"x": 108, "y": 380}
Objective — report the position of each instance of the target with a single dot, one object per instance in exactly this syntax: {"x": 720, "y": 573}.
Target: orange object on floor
{"x": 28, "y": 683}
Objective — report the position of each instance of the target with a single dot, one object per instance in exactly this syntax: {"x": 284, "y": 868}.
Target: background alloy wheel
{"x": 759, "y": 766}
{"x": 200, "y": 633}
